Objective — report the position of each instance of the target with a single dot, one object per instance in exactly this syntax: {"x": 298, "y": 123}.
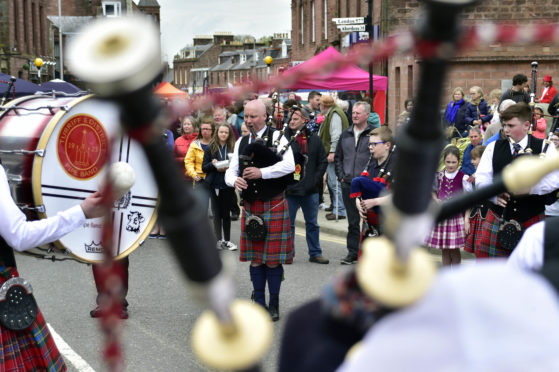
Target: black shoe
{"x": 234, "y": 217}
{"x": 349, "y": 260}
{"x": 274, "y": 312}
{"x": 332, "y": 217}
{"x": 319, "y": 260}
{"x": 329, "y": 209}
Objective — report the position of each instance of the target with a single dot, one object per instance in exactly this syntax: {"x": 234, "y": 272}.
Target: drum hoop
{"x": 36, "y": 182}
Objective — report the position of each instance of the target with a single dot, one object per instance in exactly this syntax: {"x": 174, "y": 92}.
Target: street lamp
{"x": 39, "y": 63}
{"x": 268, "y": 60}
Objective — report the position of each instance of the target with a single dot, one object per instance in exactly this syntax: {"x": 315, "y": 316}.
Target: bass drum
{"x": 54, "y": 151}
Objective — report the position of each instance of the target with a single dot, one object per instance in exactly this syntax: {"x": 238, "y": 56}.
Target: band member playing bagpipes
{"x": 262, "y": 175}
{"x": 309, "y": 171}
{"x": 510, "y": 215}
{"x": 375, "y": 178}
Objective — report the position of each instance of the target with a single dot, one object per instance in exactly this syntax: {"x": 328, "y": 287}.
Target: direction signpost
{"x": 351, "y": 28}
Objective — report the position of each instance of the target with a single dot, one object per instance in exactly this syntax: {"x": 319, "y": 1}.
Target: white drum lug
{"x": 15, "y": 179}
{"x": 40, "y": 153}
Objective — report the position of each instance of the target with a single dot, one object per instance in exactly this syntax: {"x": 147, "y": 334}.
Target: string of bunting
{"x": 402, "y": 42}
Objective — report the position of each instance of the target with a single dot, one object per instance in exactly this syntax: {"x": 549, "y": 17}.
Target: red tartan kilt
{"x": 277, "y": 248}
{"x": 32, "y": 349}
{"x": 473, "y": 240}
{"x": 489, "y": 247}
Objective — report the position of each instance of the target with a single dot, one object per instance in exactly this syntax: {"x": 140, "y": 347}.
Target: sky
{"x": 181, "y": 20}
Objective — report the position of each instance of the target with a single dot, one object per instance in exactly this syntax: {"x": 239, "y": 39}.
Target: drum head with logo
{"x": 77, "y": 143}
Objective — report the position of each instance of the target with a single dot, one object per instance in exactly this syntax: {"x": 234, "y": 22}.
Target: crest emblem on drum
{"x": 82, "y": 146}
{"x": 93, "y": 247}
{"x": 135, "y": 220}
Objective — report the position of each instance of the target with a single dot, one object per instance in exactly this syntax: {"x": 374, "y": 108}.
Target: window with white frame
{"x": 313, "y": 23}
{"x": 325, "y": 19}
{"x": 302, "y": 25}
{"x": 111, "y": 9}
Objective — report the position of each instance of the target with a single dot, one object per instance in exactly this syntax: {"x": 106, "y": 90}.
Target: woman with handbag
{"x": 454, "y": 114}
{"x": 215, "y": 163}
{"x": 195, "y": 157}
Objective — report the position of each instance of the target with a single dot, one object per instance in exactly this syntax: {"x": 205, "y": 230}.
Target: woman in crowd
{"x": 454, "y": 114}
{"x": 477, "y": 111}
{"x": 541, "y": 123}
{"x": 494, "y": 99}
{"x": 221, "y": 145}
{"x": 195, "y": 156}
{"x": 187, "y": 136}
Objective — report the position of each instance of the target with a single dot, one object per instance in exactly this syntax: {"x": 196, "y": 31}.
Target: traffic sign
{"x": 349, "y": 21}
{"x": 351, "y": 28}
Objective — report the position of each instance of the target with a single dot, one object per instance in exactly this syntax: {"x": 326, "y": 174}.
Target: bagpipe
{"x": 363, "y": 187}
{"x": 263, "y": 153}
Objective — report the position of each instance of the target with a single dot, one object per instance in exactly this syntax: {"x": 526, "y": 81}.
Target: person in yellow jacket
{"x": 194, "y": 158}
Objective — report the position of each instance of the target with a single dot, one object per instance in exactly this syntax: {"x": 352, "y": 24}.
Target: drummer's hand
{"x": 92, "y": 206}
{"x": 240, "y": 184}
{"x": 252, "y": 173}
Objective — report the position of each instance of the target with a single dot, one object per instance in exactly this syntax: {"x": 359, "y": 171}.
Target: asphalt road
{"x": 162, "y": 308}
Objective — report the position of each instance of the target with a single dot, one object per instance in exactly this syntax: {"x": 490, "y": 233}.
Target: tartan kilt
{"x": 32, "y": 349}
{"x": 448, "y": 234}
{"x": 489, "y": 247}
{"x": 473, "y": 239}
{"x": 277, "y": 248}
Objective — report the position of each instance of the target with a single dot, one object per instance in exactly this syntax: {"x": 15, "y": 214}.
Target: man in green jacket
{"x": 335, "y": 122}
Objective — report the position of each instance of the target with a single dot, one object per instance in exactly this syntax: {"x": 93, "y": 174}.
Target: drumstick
{"x": 122, "y": 177}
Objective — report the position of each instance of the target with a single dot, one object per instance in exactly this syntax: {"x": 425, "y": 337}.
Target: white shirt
{"x": 544, "y": 91}
{"x": 21, "y": 234}
{"x": 528, "y": 254}
{"x": 281, "y": 168}
{"x": 484, "y": 173}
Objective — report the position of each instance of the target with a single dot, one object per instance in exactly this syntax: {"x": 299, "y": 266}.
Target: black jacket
{"x": 351, "y": 160}
{"x": 214, "y": 179}
{"x": 315, "y": 166}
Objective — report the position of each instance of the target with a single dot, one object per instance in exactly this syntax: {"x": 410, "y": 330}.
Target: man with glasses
{"x": 352, "y": 155}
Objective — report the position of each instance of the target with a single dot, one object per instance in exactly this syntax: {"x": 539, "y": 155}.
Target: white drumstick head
{"x": 122, "y": 177}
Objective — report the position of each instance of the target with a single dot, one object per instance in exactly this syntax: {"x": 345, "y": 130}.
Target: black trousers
{"x": 221, "y": 207}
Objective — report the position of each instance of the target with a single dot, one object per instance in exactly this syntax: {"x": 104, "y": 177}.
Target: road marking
{"x": 69, "y": 354}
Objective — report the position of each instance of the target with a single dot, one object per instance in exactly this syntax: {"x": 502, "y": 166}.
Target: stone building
{"x": 491, "y": 67}
{"x": 30, "y": 29}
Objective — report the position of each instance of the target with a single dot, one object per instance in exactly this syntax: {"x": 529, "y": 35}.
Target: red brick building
{"x": 29, "y": 29}
{"x": 220, "y": 61}
{"x": 490, "y": 68}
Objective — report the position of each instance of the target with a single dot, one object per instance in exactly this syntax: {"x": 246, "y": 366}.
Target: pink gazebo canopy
{"x": 348, "y": 78}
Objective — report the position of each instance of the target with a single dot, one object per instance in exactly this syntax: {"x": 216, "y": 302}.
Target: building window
{"x": 410, "y": 81}
{"x": 111, "y": 8}
{"x": 302, "y": 25}
{"x": 325, "y": 19}
{"x": 397, "y": 90}
{"x": 313, "y": 22}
